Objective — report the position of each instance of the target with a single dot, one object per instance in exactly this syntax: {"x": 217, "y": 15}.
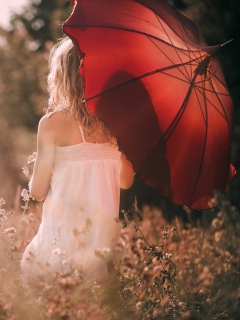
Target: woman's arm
{"x": 42, "y": 171}
{"x": 126, "y": 172}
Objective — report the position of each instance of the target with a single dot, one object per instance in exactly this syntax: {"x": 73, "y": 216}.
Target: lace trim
{"x": 87, "y": 151}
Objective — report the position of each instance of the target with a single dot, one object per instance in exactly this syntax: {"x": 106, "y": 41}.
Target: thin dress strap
{"x": 50, "y": 113}
{"x": 82, "y": 134}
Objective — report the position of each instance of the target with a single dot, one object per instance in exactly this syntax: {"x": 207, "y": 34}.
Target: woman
{"x": 78, "y": 172}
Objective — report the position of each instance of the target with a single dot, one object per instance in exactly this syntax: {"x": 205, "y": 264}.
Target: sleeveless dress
{"x": 78, "y": 226}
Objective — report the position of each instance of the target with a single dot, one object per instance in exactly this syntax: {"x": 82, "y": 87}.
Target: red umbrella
{"x": 150, "y": 75}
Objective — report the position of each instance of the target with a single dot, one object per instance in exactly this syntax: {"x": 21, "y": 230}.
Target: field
{"x": 160, "y": 269}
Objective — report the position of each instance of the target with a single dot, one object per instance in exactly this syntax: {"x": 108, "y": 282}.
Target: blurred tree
{"x": 23, "y": 60}
{"x": 22, "y": 80}
{"x": 23, "y": 95}
{"x": 178, "y": 4}
{"x": 42, "y": 20}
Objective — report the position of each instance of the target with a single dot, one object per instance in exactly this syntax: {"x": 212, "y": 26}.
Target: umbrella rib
{"x": 172, "y": 126}
{"x": 167, "y": 57}
{"x": 204, "y": 149}
{"x": 175, "y": 77}
{"x": 139, "y": 77}
{"x": 207, "y": 78}
{"x": 148, "y": 7}
{"x": 226, "y": 117}
{"x": 208, "y": 90}
{"x": 190, "y": 62}
{"x": 229, "y": 129}
{"x": 130, "y": 30}
{"x": 214, "y": 75}
{"x": 158, "y": 18}
{"x": 197, "y": 88}
{"x": 178, "y": 115}
{"x": 199, "y": 103}
{"x": 187, "y": 45}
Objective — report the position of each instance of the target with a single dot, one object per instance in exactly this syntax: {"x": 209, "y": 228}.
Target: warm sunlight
{"x": 7, "y": 8}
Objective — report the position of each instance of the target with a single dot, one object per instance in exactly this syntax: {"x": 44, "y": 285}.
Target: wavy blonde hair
{"x": 65, "y": 86}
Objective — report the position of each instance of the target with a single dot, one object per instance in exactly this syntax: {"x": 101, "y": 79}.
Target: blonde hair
{"x": 65, "y": 86}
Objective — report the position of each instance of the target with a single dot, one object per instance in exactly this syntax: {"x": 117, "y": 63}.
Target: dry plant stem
{"x": 25, "y": 208}
{"x": 137, "y": 229}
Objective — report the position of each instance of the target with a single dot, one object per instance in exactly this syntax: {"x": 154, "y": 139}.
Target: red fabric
{"x": 151, "y": 76}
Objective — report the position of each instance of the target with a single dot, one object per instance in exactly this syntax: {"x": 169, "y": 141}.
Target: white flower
{"x": 25, "y": 170}
{"x": 103, "y": 253}
{"x": 57, "y": 252}
{"x": 25, "y": 195}
{"x": 2, "y": 213}
{"x": 10, "y": 230}
{"x": 32, "y": 158}
{"x": 167, "y": 256}
{"x": 65, "y": 263}
{"x": 106, "y": 251}
{"x": 2, "y": 202}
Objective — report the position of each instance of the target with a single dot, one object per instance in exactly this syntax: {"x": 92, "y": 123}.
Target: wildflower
{"x": 2, "y": 202}
{"x": 174, "y": 231}
{"x": 165, "y": 235}
{"x": 2, "y": 213}
{"x": 167, "y": 256}
{"x": 32, "y": 158}
{"x": 81, "y": 314}
{"x": 3, "y": 216}
{"x": 57, "y": 252}
{"x": 67, "y": 281}
{"x": 10, "y": 230}
{"x": 104, "y": 253}
{"x": 65, "y": 263}
{"x": 139, "y": 305}
{"x": 25, "y": 195}
{"x": 25, "y": 171}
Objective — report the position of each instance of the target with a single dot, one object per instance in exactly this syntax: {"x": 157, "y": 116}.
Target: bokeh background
{"x": 24, "y": 47}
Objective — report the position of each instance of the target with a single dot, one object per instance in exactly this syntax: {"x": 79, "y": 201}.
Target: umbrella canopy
{"x": 150, "y": 75}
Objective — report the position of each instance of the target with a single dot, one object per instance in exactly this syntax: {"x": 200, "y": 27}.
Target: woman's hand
{"x": 126, "y": 172}
{"x": 42, "y": 171}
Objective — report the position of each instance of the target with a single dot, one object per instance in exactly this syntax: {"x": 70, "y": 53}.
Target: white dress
{"x": 78, "y": 212}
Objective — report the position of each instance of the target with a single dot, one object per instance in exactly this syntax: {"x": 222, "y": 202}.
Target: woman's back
{"x": 66, "y": 129}
{"x": 81, "y": 204}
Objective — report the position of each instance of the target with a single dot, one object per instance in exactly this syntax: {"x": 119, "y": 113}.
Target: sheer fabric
{"x": 78, "y": 213}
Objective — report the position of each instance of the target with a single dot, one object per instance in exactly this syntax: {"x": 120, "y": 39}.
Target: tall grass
{"x": 159, "y": 270}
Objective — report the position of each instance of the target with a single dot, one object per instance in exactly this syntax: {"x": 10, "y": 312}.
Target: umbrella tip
{"x": 226, "y": 42}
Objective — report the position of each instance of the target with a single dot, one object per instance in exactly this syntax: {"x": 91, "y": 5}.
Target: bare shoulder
{"x": 47, "y": 127}
{"x": 51, "y": 122}
{"x": 48, "y": 121}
